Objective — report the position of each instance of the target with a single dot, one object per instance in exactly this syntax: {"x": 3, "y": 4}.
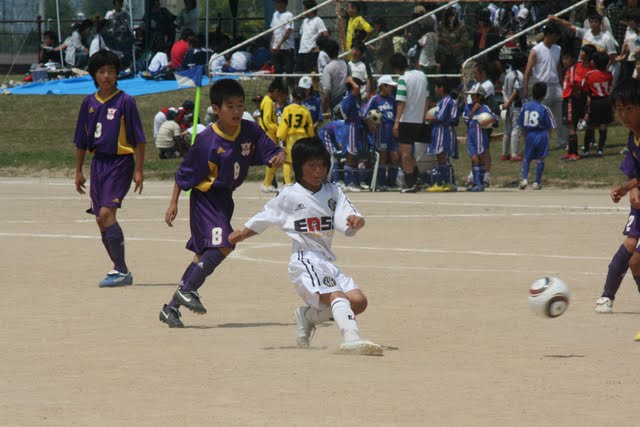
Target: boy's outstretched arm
{"x": 238, "y": 236}
{"x": 172, "y": 210}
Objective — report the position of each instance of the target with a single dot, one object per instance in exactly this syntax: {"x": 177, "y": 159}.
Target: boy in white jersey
{"x": 309, "y": 212}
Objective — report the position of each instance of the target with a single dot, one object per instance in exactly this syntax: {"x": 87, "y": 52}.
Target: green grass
{"x": 38, "y": 133}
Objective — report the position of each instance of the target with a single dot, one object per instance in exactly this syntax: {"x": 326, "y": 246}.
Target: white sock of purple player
{"x": 617, "y": 269}
{"x": 345, "y": 319}
{"x": 115, "y": 240}
{"x": 208, "y": 263}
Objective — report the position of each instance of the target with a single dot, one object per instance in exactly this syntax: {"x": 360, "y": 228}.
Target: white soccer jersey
{"x": 308, "y": 218}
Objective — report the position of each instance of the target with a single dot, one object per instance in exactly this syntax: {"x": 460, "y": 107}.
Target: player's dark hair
{"x": 551, "y": 28}
{"x": 51, "y": 34}
{"x": 359, "y": 46}
{"x": 518, "y": 61}
{"x": 277, "y": 84}
{"x": 332, "y": 49}
{"x": 398, "y": 62}
{"x": 354, "y": 4}
{"x": 308, "y": 149}
{"x": 588, "y": 50}
{"x": 299, "y": 94}
{"x": 483, "y": 66}
{"x": 539, "y": 90}
{"x": 600, "y": 60}
{"x": 595, "y": 17}
{"x": 101, "y": 59}
{"x": 224, "y": 89}
{"x": 626, "y": 92}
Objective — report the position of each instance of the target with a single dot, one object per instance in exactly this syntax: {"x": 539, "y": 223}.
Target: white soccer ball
{"x": 485, "y": 120}
{"x": 431, "y": 114}
{"x": 374, "y": 117}
{"x": 549, "y": 297}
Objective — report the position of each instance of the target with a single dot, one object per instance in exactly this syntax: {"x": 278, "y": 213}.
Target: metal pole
{"x": 59, "y": 32}
{"x": 133, "y": 46}
{"x": 206, "y": 30}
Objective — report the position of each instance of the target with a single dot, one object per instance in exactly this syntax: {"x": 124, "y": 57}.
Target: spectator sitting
{"x": 50, "y": 50}
{"x": 241, "y": 60}
{"x": 361, "y": 70}
{"x": 196, "y": 55}
{"x": 159, "y": 60}
{"x": 217, "y": 63}
{"x": 97, "y": 42}
{"x": 358, "y": 29}
{"x": 77, "y": 52}
{"x": 180, "y": 48}
{"x": 169, "y": 137}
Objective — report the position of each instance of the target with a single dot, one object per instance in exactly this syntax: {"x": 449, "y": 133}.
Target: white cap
{"x": 386, "y": 80}
{"x": 305, "y": 82}
{"x": 523, "y": 13}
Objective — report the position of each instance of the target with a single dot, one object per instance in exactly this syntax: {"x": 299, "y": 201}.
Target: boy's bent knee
{"x": 358, "y": 301}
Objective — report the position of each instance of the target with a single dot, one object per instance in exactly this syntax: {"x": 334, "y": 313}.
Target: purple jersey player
{"x": 216, "y": 164}
{"x": 109, "y": 127}
{"x": 626, "y": 101}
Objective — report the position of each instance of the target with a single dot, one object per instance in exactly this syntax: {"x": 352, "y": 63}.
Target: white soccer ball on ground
{"x": 549, "y": 297}
{"x": 374, "y": 117}
{"x": 485, "y": 120}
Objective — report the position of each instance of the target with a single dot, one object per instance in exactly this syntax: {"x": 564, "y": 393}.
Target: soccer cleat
{"x": 305, "y": 329}
{"x": 599, "y": 153}
{"x": 171, "y": 316}
{"x": 565, "y": 156}
{"x": 476, "y": 189}
{"x": 364, "y": 186}
{"x": 115, "y": 279}
{"x": 435, "y": 189}
{"x": 573, "y": 157}
{"x": 604, "y": 305}
{"x": 505, "y": 157}
{"x": 516, "y": 158}
{"x": 584, "y": 153}
{"x": 537, "y": 186}
{"x": 523, "y": 184}
{"x": 268, "y": 189}
{"x": 413, "y": 189}
{"x": 362, "y": 347}
{"x": 191, "y": 300}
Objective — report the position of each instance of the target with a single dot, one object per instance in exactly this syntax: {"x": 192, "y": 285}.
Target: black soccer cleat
{"x": 191, "y": 300}
{"x": 171, "y": 316}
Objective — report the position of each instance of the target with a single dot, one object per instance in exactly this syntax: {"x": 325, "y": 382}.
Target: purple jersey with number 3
{"x": 213, "y": 168}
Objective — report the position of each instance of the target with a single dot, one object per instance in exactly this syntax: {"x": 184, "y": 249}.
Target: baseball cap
{"x": 305, "y": 82}
{"x": 386, "y": 80}
{"x": 477, "y": 89}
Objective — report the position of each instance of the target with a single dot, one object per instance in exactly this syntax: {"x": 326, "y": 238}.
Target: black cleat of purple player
{"x": 171, "y": 316}
{"x": 191, "y": 300}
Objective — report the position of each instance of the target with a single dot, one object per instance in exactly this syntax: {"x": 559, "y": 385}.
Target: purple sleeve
{"x": 135, "y": 132}
{"x": 80, "y": 139}
{"x": 195, "y": 166}
{"x": 629, "y": 166}
{"x": 265, "y": 148}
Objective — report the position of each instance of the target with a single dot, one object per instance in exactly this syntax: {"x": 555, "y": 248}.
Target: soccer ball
{"x": 549, "y": 297}
{"x": 374, "y": 117}
{"x": 431, "y": 114}
{"x": 485, "y": 120}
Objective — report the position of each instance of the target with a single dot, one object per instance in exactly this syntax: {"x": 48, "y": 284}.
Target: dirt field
{"x": 447, "y": 277}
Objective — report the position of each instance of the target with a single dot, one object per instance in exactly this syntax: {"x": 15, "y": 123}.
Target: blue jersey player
{"x": 626, "y": 102}
{"x": 216, "y": 164}
{"x": 477, "y": 134}
{"x": 536, "y": 121}
{"x": 332, "y": 135}
{"x": 109, "y": 126}
{"x": 383, "y": 139}
{"x": 352, "y": 112}
{"x": 443, "y": 135}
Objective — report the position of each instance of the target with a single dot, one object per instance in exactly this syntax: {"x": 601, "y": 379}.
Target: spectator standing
{"x": 282, "y": 44}
{"x": 117, "y": 9}
{"x": 631, "y": 45}
{"x": 333, "y": 80}
{"x": 358, "y": 29}
{"x": 380, "y": 51}
{"x": 594, "y": 35}
{"x": 162, "y": 25}
{"x": 428, "y": 47}
{"x": 360, "y": 69}
{"x": 312, "y": 27}
{"x": 512, "y": 103}
{"x": 189, "y": 17}
{"x": 453, "y": 39}
{"x": 544, "y": 65}
{"x": 411, "y": 105}
{"x": 323, "y": 57}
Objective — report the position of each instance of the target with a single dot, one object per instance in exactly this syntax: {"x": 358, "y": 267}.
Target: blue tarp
{"x": 84, "y": 86}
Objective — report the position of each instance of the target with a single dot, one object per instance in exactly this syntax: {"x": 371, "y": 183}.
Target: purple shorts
{"x": 110, "y": 181}
{"x": 210, "y": 219}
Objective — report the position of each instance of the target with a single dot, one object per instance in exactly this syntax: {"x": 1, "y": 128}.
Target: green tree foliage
{"x": 96, "y": 7}
{"x": 67, "y": 11}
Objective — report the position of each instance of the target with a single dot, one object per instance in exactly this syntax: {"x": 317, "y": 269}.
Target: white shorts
{"x": 312, "y": 274}
{"x": 158, "y": 120}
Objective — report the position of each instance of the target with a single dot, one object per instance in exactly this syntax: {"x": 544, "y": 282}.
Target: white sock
{"x": 345, "y": 319}
{"x": 487, "y": 176}
{"x": 318, "y": 316}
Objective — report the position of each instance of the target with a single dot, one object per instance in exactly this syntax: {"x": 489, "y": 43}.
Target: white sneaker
{"x": 537, "y": 186}
{"x": 363, "y": 347}
{"x": 305, "y": 328}
{"x": 523, "y": 184}
{"x": 269, "y": 189}
{"x": 351, "y": 188}
{"x": 604, "y": 305}
{"x": 364, "y": 186}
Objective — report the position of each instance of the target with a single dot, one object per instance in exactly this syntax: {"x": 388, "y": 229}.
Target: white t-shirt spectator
{"x": 240, "y": 60}
{"x": 216, "y": 63}
{"x": 488, "y": 87}
{"x": 158, "y": 61}
{"x": 547, "y": 60}
{"x": 310, "y": 29}
{"x": 632, "y": 39}
{"x": 603, "y": 41}
{"x": 412, "y": 90}
{"x": 96, "y": 44}
{"x": 323, "y": 60}
{"x": 279, "y": 19}
{"x": 164, "y": 138}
